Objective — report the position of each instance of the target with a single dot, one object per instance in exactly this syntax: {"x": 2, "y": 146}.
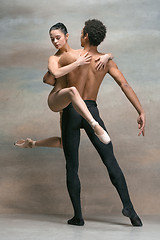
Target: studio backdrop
{"x": 33, "y": 180}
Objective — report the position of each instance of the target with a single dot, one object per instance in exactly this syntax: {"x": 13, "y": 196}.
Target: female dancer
{"x": 61, "y": 96}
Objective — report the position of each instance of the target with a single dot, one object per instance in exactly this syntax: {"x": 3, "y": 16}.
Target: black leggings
{"x": 71, "y": 124}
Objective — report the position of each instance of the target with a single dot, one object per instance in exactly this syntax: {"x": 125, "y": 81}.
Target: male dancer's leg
{"x": 109, "y": 160}
{"x": 71, "y": 122}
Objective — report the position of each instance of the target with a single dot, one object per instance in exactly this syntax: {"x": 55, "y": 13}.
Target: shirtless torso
{"x": 86, "y": 79}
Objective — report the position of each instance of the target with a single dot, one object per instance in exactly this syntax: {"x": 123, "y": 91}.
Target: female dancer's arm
{"x": 101, "y": 63}
{"x": 54, "y": 71}
{"x": 49, "y": 79}
{"x": 57, "y": 72}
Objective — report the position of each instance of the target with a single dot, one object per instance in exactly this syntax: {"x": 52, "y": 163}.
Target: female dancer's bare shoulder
{"x": 69, "y": 57}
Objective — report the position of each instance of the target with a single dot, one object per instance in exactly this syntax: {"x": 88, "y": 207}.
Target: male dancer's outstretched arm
{"x": 130, "y": 94}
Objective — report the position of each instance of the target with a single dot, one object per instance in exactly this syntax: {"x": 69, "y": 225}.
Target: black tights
{"x": 71, "y": 124}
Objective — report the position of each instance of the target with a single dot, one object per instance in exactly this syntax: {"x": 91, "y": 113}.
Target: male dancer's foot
{"x": 134, "y": 218}
{"x": 76, "y": 221}
{"x": 28, "y": 143}
{"x": 100, "y": 132}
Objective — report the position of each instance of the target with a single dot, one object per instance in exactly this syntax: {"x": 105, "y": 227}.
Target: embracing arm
{"x": 49, "y": 79}
{"x": 130, "y": 94}
{"x": 57, "y": 71}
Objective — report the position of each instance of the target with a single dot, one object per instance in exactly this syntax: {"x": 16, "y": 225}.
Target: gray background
{"x": 33, "y": 180}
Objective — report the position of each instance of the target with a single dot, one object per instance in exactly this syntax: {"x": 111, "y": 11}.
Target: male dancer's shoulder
{"x": 111, "y": 65}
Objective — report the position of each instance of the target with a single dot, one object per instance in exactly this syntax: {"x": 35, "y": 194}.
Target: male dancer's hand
{"x": 102, "y": 61}
{"x": 141, "y": 123}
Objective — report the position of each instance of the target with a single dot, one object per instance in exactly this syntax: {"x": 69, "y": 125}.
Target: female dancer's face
{"x": 58, "y": 38}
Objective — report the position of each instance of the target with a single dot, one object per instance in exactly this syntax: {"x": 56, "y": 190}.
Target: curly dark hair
{"x": 60, "y": 26}
{"x": 96, "y": 31}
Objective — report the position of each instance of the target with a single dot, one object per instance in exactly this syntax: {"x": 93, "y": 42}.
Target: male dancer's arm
{"x": 130, "y": 94}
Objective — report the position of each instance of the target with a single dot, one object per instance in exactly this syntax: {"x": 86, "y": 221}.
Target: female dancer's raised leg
{"x": 62, "y": 98}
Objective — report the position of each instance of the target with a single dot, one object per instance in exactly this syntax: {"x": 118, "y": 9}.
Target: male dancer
{"x": 87, "y": 81}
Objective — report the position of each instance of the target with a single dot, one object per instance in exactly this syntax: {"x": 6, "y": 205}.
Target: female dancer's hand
{"x": 102, "y": 61}
{"x": 84, "y": 59}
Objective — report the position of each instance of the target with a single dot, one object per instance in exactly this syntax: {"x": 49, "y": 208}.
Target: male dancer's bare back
{"x": 87, "y": 80}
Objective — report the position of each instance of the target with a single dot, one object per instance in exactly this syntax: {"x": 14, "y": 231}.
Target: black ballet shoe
{"x": 136, "y": 221}
{"x": 134, "y": 218}
{"x": 76, "y": 221}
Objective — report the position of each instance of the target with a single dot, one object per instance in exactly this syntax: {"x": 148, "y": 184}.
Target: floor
{"x": 51, "y": 227}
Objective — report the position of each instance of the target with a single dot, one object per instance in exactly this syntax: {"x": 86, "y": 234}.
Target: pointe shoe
{"x": 28, "y": 143}
{"x": 104, "y": 137}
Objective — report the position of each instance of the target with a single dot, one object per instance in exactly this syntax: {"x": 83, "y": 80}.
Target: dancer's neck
{"x": 91, "y": 49}
{"x": 65, "y": 48}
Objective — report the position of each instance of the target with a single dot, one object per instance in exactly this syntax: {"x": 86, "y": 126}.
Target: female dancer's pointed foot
{"x": 134, "y": 218}
{"x": 76, "y": 221}
{"x": 28, "y": 143}
{"x": 100, "y": 133}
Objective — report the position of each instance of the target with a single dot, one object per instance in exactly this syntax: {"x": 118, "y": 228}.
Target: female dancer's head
{"x": 59, "y": 35}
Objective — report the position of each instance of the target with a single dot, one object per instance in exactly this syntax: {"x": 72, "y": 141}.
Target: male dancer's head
{"x": 93, "y": 33}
